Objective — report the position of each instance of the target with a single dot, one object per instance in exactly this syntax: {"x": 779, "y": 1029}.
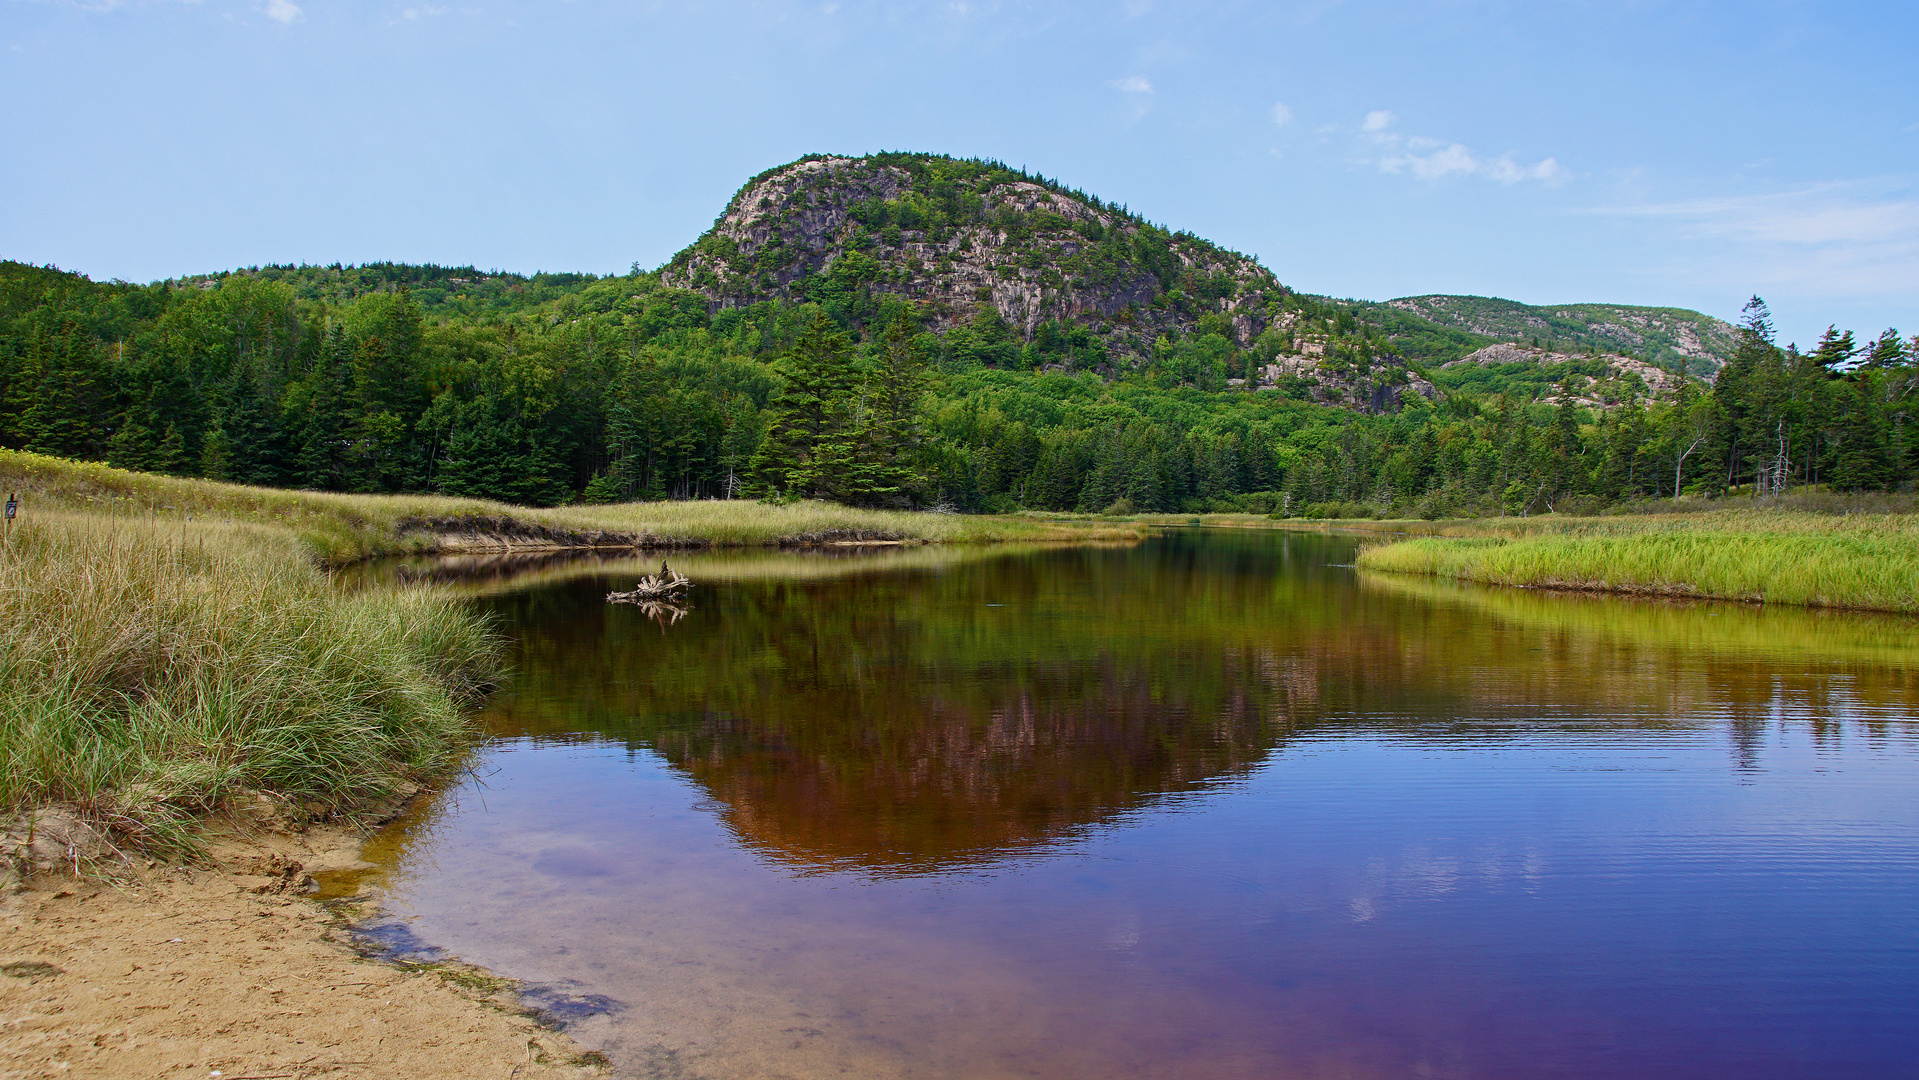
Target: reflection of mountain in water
{"x": 951, "y": 779}
{"x": 925, "y": 717}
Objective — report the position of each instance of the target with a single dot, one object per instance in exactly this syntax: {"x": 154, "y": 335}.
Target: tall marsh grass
{"x": 1866, "y": 564}
{"x": 150, "y": 668}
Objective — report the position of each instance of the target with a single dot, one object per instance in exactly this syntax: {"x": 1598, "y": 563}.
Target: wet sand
{"x": 230, "y": 972}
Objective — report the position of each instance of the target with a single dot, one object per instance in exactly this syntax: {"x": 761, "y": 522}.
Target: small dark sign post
{"x": 13, "y": 507}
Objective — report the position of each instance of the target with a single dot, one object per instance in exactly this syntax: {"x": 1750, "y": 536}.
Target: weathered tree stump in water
{"x": 668, "y": 587}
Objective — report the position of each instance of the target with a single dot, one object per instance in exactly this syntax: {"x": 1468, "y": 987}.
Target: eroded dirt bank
{"x": 230, "y": 972}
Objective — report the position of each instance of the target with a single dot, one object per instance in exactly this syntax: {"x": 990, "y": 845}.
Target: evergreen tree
{"x": 324, "y": 437}
{"x": 1834, "y": 351}
{"x": 811, "y": 446}
{"x": 895, "y": 437}
{"x": 63, "y": 401}
{"x": 1865, "y": 458}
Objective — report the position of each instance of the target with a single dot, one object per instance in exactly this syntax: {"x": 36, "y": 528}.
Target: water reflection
{"x": 908, "y": 720}
{"x": 1206, "y": 806}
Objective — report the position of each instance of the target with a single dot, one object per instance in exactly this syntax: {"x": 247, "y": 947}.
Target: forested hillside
{"x": 916, "y": 331}
{"x": 1684, "y": 341}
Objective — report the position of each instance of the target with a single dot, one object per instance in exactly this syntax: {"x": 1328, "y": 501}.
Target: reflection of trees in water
{"x": 898, "y": 723}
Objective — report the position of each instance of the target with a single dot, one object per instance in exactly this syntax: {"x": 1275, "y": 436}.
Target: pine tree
{"x": 810, "y": 448}
{"x": 1835, "y": 350}
{"x": 258, "y": 451}
{"x": 63, "y": 403}
{"x": 1864, "y": 458}
{"x": 324, "y": 439}
{"x": 895, "y": 440}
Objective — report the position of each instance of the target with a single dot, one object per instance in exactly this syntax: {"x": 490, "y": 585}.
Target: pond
{"x": 1215, "y": 805}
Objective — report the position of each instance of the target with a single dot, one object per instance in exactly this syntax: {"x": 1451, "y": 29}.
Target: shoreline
{"x": 233, "y": 969}
{"x": 1864, "y": 562}
{"x": 1863, "y": 569}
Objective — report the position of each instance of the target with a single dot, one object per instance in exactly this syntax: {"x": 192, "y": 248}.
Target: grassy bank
{"x": 150, "y": 670}
{"x": 345, "y": 528}
{"x": 1692, "y": 631}
{"x": 1866, "y": 562}
{"x": 168, "y": 644}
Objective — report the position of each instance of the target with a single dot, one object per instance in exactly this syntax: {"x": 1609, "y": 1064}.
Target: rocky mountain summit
{"x": 1013, "y": 270}
{"x": 954, "y": 237}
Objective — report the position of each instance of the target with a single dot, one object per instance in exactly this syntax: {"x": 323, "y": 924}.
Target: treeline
{"x": 606, "y": 389}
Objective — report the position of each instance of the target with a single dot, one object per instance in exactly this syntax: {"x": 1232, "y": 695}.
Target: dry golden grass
{"x": 345, "y": 528}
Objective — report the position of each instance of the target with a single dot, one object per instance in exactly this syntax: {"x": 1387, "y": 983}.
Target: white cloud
{"x": 1846, "y": 240}
{"x": 1432, "y": 159}
{"x": 1507, "y": 171}
{"x": 417, "y": 13}
{"x": 1452, "y": 159}
{"x": 285, "y": 11}
{"x": 1281, "y": 114}
{"x": 1822, "y": 214}
{"x": 1133, "y": 84}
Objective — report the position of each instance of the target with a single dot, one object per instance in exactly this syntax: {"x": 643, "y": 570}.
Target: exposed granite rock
{"x": 1030, "y": 250}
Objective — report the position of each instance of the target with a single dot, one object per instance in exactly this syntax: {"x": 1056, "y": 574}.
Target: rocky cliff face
{"x": 950, "y": 236}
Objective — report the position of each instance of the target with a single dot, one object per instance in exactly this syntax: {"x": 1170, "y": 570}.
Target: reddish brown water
{"x": 1212, "y": 806}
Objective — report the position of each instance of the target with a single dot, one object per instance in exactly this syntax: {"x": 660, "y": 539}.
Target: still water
{"x": 1212, "y": 806}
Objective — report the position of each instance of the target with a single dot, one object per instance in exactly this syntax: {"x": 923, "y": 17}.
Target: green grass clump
{"x": 151, "y": 668}
{"x": 1871, "y": 566}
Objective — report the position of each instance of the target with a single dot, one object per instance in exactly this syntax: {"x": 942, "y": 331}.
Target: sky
{"x": 1686, "y": 154}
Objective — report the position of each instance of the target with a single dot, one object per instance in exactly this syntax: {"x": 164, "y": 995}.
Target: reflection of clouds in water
{"x": 1422, "y": 875}
{"x": 575, "y": 862}
{"x": 1125, "y": 932}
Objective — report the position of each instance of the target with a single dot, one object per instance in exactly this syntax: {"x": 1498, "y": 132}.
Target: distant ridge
{"x": 1676, "y": 338}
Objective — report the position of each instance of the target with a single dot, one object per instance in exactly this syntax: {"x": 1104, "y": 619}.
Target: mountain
{"x": 976, "y": 249}
{"x": 1057, "y": 352}
{"x": 953, "y": 236}
{"x": 1675, "y": 338}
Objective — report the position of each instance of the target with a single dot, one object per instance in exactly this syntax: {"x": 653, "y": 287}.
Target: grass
{"x": 1859, "y": 561}
{"x": 341, "y": 529}
{"x": 150, "y": 670}
{"x": 167, "y": 645}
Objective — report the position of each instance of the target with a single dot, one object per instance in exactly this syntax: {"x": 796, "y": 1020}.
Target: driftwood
{"x": 668, "y": 587}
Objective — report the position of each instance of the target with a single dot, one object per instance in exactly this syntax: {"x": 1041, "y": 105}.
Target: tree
{"x": 1684, "y": 427}
{"x": 895, "y": 438}
{"x": 325, "y": 423}
{"x": 62, "y": 397}
{"x": 1834, "y": 351}
{"x": 810, "y": 446}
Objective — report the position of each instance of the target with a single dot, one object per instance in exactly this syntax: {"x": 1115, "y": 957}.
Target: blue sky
{"x": 1687, "y": 154}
